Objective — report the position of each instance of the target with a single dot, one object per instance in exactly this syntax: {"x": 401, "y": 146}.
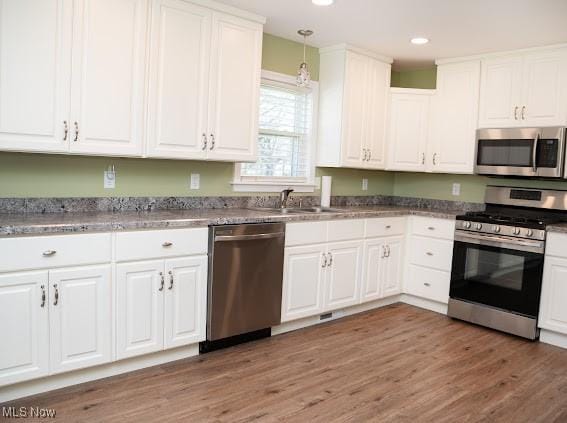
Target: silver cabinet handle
{"x": 167, "y": 244}
{"x": 516, "y": 113}
{"x": 434, "y": 159}
{"x": 212, "y": 141}
{"x": 49, "y": 253}
{"x": 330, "y": 260}
{"x": 65, "y": 130}
{"x": 429, "y": 253}
{"x": 426, "y": 283}
{"x": 324, "y": 260}
{"x": 170, "y": 280}
{"x": 42, "y": 296}
{"x": 383, "y": 252}
{"x": 431, "y": 228}
{"x": 523, "y": 115}
{"x": 369, "y": 154}
{"x": 388, "y": 226}
{"x": 56, "y": 294}
{"x": 365, "y": 154}
{"x": 76, "y": 132}
{"x": 422, "y": 158}
{"x": 389, "y": 251}
{"x": 162, "y": 281}
{"x": 204, "y": 141}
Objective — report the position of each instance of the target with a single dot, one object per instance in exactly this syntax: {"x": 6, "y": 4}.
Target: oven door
{"x": 494, "y": 271}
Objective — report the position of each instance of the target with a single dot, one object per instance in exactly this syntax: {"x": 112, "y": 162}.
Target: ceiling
{"x": 455, "y": 27}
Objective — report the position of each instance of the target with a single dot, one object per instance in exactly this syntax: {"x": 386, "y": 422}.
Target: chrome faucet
{"x": 284, "y": 197}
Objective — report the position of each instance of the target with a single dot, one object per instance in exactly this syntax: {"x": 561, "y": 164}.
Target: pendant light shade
{"x": 303, "y": 75}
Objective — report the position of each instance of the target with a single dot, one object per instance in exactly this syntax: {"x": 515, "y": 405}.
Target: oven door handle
{"x": 501, "y": 242}
{"x": 534, "y": 153}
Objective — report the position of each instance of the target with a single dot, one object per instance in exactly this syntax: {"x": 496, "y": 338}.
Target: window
{"x": 285, "y": 139}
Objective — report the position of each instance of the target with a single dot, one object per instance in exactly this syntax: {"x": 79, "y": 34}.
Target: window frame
{"x": 276, "y": 184}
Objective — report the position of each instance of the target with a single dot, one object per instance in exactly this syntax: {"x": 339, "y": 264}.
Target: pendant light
{"x": 303, "y": 75}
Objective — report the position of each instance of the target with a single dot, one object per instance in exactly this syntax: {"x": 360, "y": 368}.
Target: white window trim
{"x": 239, "y": 185}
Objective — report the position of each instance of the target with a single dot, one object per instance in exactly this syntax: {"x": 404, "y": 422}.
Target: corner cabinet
{"x": 353, "y": 99}
{"x": 526, "y": 89}
{"x": 205, "y": 69}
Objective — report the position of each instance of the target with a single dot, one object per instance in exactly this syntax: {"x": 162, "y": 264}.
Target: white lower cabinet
{"x": 382, "y": 268}
{"x": 160, "y": 304}
{"x": 392, "y": 276}
{"x": 80, "y": 318}
{"x": 553, "y": 309}
{"x": 343, "y": 274}
{"x": 24, "y": 326}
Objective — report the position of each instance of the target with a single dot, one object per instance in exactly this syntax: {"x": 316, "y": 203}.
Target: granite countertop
{"x": 53, "y": 223}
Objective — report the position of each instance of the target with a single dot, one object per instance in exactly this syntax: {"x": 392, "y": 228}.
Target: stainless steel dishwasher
{"x": 245, "y": 279}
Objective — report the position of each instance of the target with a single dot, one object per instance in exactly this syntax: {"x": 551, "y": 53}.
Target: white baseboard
{"x": 49, "y": 383}
{"x": 553, "y": 338}
{"x": 430, "y": 305}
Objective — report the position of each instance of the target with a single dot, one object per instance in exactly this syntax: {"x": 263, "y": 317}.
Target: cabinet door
{"x": 35, "y": 74}
{"x": 185, "y": 301}
{"x": 179, "y": 79}
{"x": 374, "y": 262}
{"x": 553, "y": 310}
{"x": 139, "y": 308}
{"x": 354, "y": 109}
{"x": 378, "y": 97}
{"x": 545, "y": 87}
{"x": 500, "y": 92}
{"x": 303, "y": 282}
{"x": 24, "y": 327}
{"x": 393, "y": 272}
{"x": 343, "y": 274}
{"x": 80, "y": 318}
{"x": 408, "y": 131}
{"x": 107, "y": 101}
{"x": 234, "y": 89}
{"x": 455, "y": 115}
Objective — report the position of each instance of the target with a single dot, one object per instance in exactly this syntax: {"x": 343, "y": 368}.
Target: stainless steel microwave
{"x": 529, "y": 152}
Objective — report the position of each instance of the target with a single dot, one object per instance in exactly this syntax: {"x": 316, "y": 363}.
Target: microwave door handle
{"x": 534, "y": 154}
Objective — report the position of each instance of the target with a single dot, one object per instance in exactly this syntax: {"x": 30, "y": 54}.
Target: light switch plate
{"x": 195, "y": 181}
{"x": 364, "y": 184}
{"x": 109, "y": 179}
{"x": 456, "y": 189}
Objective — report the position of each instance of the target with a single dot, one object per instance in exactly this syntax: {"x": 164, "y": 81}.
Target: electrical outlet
{"x": 364, "y": 184}
{"x": 109, "y": 178}
{"x": 456, "y": 189}
{"x": 195, "y": 182}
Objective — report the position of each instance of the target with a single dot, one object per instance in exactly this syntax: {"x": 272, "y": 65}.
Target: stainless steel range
{"x": 498, "y": 259}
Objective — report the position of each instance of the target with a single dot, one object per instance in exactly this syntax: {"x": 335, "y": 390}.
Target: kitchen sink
{"x": 297, "y": 210}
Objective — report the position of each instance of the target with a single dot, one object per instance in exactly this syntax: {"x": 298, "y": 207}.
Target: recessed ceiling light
{"x": 419, "y": 40}
{"x": 322, "y": 2}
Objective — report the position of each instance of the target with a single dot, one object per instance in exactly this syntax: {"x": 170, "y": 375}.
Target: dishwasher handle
{"x": 248, "y": 237}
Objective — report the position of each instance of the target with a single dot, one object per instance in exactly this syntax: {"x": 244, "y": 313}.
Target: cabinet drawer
{"x": 428, "y": 283}
{"x": 437, "y": 228}
{"x": 556, "y": 245}
{"x": 345, "y": 230}
{"x": 54, "y": 251}
{"x": 305, "y": 233}
{"x": 431, "y": 252}
{"x": 380, "y": 227}
{"x": 166, "y": 243}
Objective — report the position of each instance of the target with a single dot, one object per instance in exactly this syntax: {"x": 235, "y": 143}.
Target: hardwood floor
{"x": 399, "y": 363}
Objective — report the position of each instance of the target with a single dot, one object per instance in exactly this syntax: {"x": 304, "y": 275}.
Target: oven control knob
{"x": 496, "y": 228}
{"x": 478, "y": 226}
{"x": 516, "y": 231}
{"x": 466, "y": 225}
{"x": 529, "y": 232}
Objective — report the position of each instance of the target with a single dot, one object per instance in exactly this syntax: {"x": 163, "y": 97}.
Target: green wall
{"x": 418, "y": 78}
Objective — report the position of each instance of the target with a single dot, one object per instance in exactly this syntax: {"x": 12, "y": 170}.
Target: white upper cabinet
{"x": 234, "y": 88}
{"x": 353, "y": 99}
{"x": 408, "y": 129}
{"x": 454, "y": 118}
{"x": 35, "y": 72}
{"x": 108, "y": 78}
{"x": 179, "y": 78}
{"x": 524, "y": 90}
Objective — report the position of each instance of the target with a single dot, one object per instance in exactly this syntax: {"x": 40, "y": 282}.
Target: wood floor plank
{"x": 399, "y": 363}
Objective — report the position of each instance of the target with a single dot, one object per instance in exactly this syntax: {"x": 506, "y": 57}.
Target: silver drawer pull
{"x": 324, "y": 264}
{"x": 429, "y": 253}
{"x": 330, "y": 260}
{"x": 427, "y": 284}
{"x": 388, "y": 226}
{"x": 162, "y": 281}
{"x": 431, "y": 228}
{"x": 170, "y": 280}
{"x": 42, "y": 296}
{"x": 56, "y": 294}
{"x": 167, "y": 244}
{"x": 49, "y": 253}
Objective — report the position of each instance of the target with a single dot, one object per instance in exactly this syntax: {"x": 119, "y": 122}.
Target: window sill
{"x": 239, "y": 186}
